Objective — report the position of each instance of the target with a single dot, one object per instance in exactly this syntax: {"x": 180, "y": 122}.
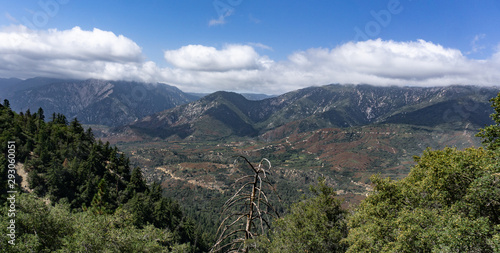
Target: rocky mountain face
{"x": 224, "y": 114}
{"x": 344, "y": 133}
{"x": 111, "y": 103}
{"x": 7, "y": 84}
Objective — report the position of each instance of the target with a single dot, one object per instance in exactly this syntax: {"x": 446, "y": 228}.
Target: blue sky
{"x": 254, "y": 45}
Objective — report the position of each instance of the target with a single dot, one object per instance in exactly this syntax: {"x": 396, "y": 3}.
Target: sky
{"x": 257, "y": 46}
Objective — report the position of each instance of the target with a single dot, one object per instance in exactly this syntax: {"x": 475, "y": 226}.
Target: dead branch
{"x": 238, "y": 226}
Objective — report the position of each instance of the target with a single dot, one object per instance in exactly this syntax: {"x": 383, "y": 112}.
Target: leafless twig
{"x": 248, "y": 213}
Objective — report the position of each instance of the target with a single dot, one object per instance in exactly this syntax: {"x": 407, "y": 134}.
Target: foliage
{"x": 314, "y": 225}
{"x": 44, "y": 228}
{"x": 448, "y": 203}
{"x": 491, "y": 134}
{"x": 84, "y": 180}
{"x": 39, "y": 227}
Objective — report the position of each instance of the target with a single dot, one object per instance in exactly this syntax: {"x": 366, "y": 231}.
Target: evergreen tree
{"x": 40, "y": 114}
{"x": 6, "y": 103}
{"x": 491, "y": 134}
{"x": 436, "y": 208}
{"x": 137, "y": 183}
{"x": 100, "y": 203}
{"x": 317, "y": 224}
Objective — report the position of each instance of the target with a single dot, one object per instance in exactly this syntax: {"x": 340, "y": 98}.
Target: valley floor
{"x": 197, "y": 172}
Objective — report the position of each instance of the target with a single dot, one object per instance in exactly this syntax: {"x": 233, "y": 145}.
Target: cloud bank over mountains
{"x": 77, "y": 53}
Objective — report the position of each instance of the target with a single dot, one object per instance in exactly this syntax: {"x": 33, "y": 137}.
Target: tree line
{"x": 83, "y": 194}
{"x": 449, "y": 202}
{"x": 86, "y": 198}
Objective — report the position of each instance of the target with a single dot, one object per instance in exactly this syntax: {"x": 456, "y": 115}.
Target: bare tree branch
{"x": 240, "y": 226}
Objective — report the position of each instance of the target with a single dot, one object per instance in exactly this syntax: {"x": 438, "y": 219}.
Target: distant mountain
{"x": 6, "y": 85}
{"x": 249, "y": 96}
{"x": 214, "y": 115}
{"x": 31, "y": 83}
{"x": 225, "y": 114}
{"x": 111, "y": 103}
{"x": 256, "y": 96}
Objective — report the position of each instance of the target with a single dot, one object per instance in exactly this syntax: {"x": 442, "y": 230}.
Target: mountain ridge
{"x": 94, "y": 101}
{"x": 223, "y": 114}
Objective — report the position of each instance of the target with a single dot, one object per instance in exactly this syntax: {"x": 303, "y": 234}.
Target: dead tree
{"x": 248, "y": 213}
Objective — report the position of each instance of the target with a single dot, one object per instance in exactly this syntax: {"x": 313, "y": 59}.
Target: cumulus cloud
{"x": 378, "y": 62}
{"x": 77, "y": 53}
{"x": 74, "y": 44}
{"x": 74, "y": 52}
{"x": 419, "y": 60}
{"x": 202, "y": 58}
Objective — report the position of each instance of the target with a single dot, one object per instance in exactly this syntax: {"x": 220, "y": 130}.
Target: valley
{"x": 343, "y": 133}
{"x": 189, "y": 149}
{"x": 201, "y": 174}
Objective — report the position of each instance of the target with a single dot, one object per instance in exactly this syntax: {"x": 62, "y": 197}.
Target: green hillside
{"x": 76, "y": 194}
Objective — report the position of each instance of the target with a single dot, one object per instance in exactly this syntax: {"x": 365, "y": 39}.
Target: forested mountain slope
{"x": 76, "y": 194}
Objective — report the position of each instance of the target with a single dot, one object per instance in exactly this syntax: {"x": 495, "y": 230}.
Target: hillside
{"x": 90, "y": 182}
{"x": 99, "y": 102}
{"x": 73, "y": 193}
{"x": 344, "y": 133}
{"x": 8, "y": 84}
{"x": 226, "y": 114}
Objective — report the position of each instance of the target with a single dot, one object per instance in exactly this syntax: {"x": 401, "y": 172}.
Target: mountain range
{"x": 163, "y": 111}
{"x": 226, "y": 114}
{"x": 345, "y": 133}
{"x": 100, "y": 102}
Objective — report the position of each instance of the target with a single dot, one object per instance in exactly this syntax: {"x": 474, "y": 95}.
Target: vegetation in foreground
{"x": 83, "y": 196}
{"x": 448, "y": 202}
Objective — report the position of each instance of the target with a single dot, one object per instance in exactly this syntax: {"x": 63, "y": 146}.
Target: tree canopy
{"x": 84, "y": 195}
{"x": 448, "y": 203}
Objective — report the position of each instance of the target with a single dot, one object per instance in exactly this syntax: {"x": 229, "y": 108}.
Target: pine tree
{"x": 137, "y": 183}
{"x": 100, "y": 203}
{"x": 6, "y": 103}
{"x": 40, "y": 114}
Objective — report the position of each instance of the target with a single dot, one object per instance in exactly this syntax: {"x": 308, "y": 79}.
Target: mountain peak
{"x": 96, "y": 101}
{"x": 227, "y": 95}
{"x": 223, "y": 114}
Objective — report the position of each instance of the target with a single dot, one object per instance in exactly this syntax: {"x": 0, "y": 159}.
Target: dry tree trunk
{"x": 257, "y": 209}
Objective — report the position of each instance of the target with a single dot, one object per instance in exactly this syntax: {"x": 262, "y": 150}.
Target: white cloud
{"x": 77, "y": 53}
{"x": 378, "y": 62}
{"x": 202, "y": 58}
{"x": 69, "y": 44}
{"x": 69, "y": 53}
